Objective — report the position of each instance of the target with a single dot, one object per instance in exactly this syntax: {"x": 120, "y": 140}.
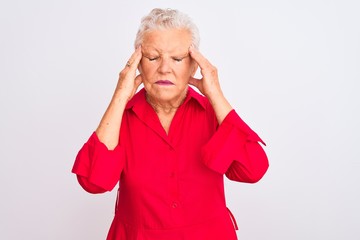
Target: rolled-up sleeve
{"x": 97, "y": 168}
{"x": 234, "y": 150}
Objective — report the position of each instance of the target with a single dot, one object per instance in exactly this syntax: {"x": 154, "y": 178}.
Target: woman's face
{"x": 166, "y": 65}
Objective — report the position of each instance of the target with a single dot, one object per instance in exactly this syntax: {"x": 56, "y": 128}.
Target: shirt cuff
{"x": 228, "y": 143}
{"x": 98, "y": 165}
{"x": 234, "y": 119}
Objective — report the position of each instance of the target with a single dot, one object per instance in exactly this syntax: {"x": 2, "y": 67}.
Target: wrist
{"x": 215, "y": 96}
{"x": 221, "y": 106}
{"x": 120, "y": 97}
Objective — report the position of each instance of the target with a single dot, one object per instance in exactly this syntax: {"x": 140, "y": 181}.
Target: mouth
{"x": 164, "y": 82}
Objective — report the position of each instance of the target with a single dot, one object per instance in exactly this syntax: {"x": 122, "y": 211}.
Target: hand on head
{"x": 128, "y": 81}
{"x": 209, "y": 83}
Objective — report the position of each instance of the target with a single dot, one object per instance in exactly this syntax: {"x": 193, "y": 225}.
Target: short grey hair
{"x": 159, "y": 19}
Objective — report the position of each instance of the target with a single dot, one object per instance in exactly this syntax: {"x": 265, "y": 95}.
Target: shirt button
{"x": 174, "y": 205}
{"x": 172, "y": 174}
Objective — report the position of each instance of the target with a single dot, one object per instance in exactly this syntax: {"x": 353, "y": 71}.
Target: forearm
{"x": 98, "y": 169}
{"x": 251, "y": 166}
{"x": 234, "y": 149}
{"x": 220, "y": 105}
{"x": 108, "y": 130}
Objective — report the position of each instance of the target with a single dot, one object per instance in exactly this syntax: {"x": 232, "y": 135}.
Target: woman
{"x": 167, "y": 145}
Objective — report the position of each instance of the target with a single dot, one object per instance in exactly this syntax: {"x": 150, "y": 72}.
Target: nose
{"x": 164, "y": 66}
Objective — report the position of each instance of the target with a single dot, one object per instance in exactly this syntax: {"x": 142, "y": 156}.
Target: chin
{"x": 166, "y": 95}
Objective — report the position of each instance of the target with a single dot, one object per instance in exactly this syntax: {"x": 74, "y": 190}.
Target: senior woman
{"x": 167, "y": 145}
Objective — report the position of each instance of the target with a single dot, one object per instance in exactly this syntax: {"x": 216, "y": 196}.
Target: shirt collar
{"x": 139, "y": 99}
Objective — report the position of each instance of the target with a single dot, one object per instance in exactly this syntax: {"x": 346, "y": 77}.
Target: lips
{"x": 164, "y": 82}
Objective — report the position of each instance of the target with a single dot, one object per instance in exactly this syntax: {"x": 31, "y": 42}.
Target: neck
{"x": 166, "y": 107}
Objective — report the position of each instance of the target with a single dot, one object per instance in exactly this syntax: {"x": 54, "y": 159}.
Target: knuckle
{"x": 122, "y": 74}
{"x": 212, "y": 70}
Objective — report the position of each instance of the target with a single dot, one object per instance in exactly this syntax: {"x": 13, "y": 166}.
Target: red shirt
{"x": 171, "y": 185}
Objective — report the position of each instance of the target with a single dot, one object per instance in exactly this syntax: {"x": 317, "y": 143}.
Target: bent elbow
{"x": 258, "y": 175}
{"x": 238, "y": 172}
{"x": 260, "y": 163}
{"x": 88, "y": 186}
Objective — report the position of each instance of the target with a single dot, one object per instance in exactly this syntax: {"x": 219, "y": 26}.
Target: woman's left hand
{"x": 209, "y": 83}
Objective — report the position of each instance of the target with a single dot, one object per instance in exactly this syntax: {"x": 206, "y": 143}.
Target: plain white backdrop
{"x": 290, "y": 68}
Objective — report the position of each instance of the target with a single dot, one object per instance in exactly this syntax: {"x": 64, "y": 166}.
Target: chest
{"x": 154, "y": 155}
{"x": 165, "y": 120}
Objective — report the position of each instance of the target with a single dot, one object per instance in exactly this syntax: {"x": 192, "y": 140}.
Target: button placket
{"x": 173, "y": 179}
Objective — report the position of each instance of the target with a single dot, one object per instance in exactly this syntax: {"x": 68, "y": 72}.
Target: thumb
{"x": 138, "y": 81}
{"x": 195, "y": 82}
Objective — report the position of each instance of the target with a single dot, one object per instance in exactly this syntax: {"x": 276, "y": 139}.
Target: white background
{"x": 290, "y": 68}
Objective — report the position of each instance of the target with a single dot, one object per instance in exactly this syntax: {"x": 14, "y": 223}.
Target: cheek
{"x": 186, "y": 71}
{"x": 147, "y": 69}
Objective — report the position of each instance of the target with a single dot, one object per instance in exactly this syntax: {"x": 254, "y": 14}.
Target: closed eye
{"x": 179, "y": 59}
{"x": 153, "y": 58}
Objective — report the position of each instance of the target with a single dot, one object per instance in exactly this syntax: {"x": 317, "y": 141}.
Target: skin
{"x": 165, "y": 55}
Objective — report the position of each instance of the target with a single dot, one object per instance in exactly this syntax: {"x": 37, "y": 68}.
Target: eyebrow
{"x": 185, "y": 55}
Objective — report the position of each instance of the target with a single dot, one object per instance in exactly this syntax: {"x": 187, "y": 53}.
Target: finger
{"x": 134, "y": 59}
{"x": 138, "y": 81}
{"x": 195, "y": 82}
{"x": 199, "y": 58}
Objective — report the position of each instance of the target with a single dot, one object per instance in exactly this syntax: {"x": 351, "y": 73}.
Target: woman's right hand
{"x": 108, "y": 130}
{"x": 128, "y": 82}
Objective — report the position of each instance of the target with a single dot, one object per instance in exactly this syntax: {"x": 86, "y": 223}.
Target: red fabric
{"x": 171, "y": 186}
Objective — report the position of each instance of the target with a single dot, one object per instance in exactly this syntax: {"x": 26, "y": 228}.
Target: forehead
{"x": 167, "y": 41}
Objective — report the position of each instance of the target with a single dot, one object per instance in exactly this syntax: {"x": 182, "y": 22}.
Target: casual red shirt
{"x": 171, "y": 185}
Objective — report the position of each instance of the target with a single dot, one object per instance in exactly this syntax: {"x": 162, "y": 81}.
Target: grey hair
{"x": 159, "y": 19}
